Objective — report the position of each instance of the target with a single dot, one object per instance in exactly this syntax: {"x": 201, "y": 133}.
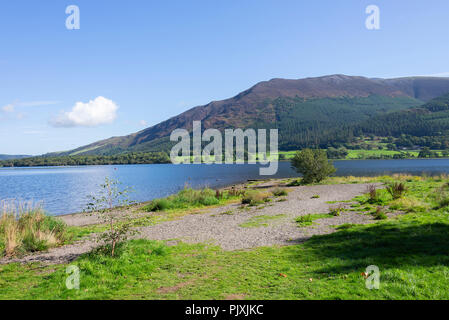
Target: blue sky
{"x": 155, "y": 59}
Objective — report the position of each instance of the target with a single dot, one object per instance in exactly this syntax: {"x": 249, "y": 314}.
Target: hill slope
{"x": 430, "y": 119}
{"x": 306, "y": 111}
{"x": 10, "y": 156}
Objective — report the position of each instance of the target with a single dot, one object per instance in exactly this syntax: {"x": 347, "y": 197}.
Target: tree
{"x": 313, "y": 165}
{"x": 103, "y": 204}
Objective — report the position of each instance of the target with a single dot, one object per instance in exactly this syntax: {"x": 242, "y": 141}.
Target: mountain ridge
{"x": 257, "y": 106}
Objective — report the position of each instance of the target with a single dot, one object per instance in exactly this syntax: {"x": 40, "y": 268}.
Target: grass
{"x": 190, "y": 198}
{"x": 261, "y": 221}
{"x": 411, "y": 253}
{"x": 409, "y": 249}
{"x": 307, "y": 220}
{"x": 25, "y": 228}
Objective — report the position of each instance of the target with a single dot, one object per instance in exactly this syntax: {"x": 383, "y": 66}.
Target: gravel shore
{"x": 222, "y": 226}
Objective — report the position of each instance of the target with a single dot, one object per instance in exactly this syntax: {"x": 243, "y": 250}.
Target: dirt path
{"x": 223, "y": 226}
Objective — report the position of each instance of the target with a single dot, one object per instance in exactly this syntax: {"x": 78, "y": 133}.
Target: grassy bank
{"x": 411, "y": 251}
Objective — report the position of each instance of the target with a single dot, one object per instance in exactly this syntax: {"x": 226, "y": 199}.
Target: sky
{"x": 132, "y": 64}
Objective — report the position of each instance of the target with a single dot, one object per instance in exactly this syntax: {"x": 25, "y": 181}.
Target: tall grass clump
{"x": 396, "y": 190}
{"x": 24, "y": 227}
{"x": 372, "y": 193}
{"x": 191, "y": 198}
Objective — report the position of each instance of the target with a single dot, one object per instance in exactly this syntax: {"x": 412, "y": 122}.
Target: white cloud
{"x": 8, "y": 108}
{"x": 143, "y": 123}
{"x": 93, "y": 113}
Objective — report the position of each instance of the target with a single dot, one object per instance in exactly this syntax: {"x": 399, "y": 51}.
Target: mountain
{"x": 10, "y": 157}
{"x": 306, "y": 111}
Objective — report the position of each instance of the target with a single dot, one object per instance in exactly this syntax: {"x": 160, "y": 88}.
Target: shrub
{"x": 26, "y": 228}
{"x": 336, "y": 211}
{"x": 396, "y": 190}
{"x": 372, "y": 193}
{"x": 313, "y": 165}
{"x": 305, "y": 220}
{"x": 253, "y": 197}
{"x": 279, "y": 192}
{"x": 379, "y": 214}
{"x": 159, "y": 205}
{"x": 102, "y": 205}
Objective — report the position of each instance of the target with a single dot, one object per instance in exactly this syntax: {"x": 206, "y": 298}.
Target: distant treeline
{"x": 128, "y": 158}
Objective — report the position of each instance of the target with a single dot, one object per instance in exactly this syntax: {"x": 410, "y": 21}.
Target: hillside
{"x": 10, "y": 156}
{"x": 430, "y": 119}
{"x": 306, "y": 111}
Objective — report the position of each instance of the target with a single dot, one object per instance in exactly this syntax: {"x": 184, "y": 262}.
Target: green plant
{"x": 188, "y": 198}
{"x": 254, "y": 197}
{"x": 315, "y": 197}
{"x": 279, "y": 192}
{"x": 313, "y": 165}
{"x": 336, "y": 211}
{"x": 379, "y": 214}
{"x": 102, "y": 205}
{"x": 24, "y": 227}
{"x": 396, "y": 189}
{"x": 372, "y": 193}
{"x": 305, "y": 220}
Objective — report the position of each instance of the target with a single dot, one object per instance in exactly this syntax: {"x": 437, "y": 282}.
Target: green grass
{"x": 190, "y": 198}
{"x": 307, "y": 220}
{"x": 261, "y": 221}
{"x": 411, "y": 251}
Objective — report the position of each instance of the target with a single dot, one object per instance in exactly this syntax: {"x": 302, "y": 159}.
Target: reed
{"x": 24, "y": 227}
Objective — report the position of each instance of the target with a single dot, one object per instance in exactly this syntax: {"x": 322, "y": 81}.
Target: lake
{"x": 64, "y": 190}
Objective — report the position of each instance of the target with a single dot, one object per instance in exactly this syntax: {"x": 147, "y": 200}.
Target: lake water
{"x": 65, "y": 189}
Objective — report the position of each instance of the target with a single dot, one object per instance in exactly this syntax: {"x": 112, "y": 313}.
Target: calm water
{"x": 64, "y": 189}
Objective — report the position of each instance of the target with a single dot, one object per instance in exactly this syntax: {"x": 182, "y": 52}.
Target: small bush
{"x": 279, "y": 192}
{"x": 396, "y": 190}
{"x": 253, "y": 197}
{"x": 159, "y": 205}
{"x": 305, "y": 220}
{"x": 315, "y": 197}
{"x": 379, "y": 214}
{"x": 336, "y": 211}
{"x": 372, "y": 193}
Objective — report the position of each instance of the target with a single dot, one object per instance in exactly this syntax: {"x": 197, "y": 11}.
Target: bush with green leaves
{"x": 313, "y": 165}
